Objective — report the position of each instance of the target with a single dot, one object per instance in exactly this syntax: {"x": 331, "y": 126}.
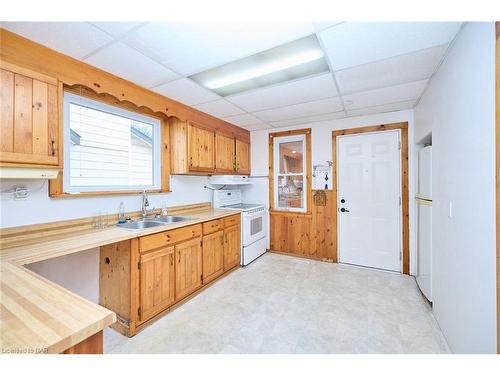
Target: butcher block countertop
{"x": 39, "y": 316}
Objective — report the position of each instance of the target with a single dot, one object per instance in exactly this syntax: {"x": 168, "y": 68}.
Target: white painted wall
{"x": 459, "y": 108}
{"x": 321, "y": 151}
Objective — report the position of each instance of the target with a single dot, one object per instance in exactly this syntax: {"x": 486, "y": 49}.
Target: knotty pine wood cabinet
{"x": 242, "y": 164}
{"x": 232, "y": 248}
{"x": 188, "y": 268}
{"x": 213, "y": 256}
{"x": 146, "y": 276}
{"x": 156, "y": 282}
{"x": 199, "y": 149}
{"x": 28, "y": 118}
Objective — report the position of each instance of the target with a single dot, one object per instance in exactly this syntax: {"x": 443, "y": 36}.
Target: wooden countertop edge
{"x": 22, "y": 255}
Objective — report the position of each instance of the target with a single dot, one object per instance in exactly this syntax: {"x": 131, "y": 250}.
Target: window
{"x": 107, "y": 148}
{"x": 289, "y": 164}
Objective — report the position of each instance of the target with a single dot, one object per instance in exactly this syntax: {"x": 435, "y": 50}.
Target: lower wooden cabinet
{"x": 232, "y": 248}
{"x": 156, "y": 282}
{"x": 145, "y": 276}
{"x": 188, "y": 267}
{"x": 213, "y": 256}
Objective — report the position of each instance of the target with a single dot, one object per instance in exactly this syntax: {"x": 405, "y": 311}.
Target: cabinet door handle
{"x": 53, "y": 143}
{"x": 171, "y": 259}
{"x": 179, "y": 257}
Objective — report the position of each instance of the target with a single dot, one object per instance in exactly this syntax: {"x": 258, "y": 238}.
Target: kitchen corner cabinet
{"x": 202, "y": 150}
{"x": 146, "y": 276}
{"x": 28, "y": 118}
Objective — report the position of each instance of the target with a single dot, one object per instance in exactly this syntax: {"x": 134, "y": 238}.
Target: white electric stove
{"x": 253, "y": 223}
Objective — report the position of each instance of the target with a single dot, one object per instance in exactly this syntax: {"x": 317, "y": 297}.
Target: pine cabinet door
{"x": 156, "y": 282}
{"x": 28, "y": 120}
{"x": 224, "y": 154}
{"x": 201, "y": 149}
{"x": 188, "y": 267}
{"x": 213, "y": 256}
{"x": 242, "y": 157}
{"x": 232, "y": 248}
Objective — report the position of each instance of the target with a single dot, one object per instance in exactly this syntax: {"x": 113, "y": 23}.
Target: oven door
{"x": 254, "y": 226}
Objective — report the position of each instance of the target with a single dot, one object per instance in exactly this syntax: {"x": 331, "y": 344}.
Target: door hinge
{"x": 201, "y": 278}
{"x": 400, "y": 201}
{"x": 139, "y": 311}
{"x": 400, "y": 256}
{"x": 201, "y": 243}
{"x": 399, "y": 145}
{"x": 138, "y": 265}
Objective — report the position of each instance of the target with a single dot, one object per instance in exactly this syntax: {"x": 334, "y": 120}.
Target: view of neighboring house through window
{"x": 289, "y": 173}
{"x": 108, "y": 148}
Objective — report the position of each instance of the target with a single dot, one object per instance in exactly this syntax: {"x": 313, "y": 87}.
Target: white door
{"x": 368, "y": 193}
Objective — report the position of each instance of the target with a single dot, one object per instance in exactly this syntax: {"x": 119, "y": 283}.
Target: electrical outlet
{"x": 20, "y": 193}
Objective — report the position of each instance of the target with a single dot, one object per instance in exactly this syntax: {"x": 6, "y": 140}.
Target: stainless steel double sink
{"x": 152, "y": 222}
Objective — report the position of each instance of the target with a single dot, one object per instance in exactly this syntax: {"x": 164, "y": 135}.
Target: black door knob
{"x": 344, "y": 210}
{"x": 342, "y": 201}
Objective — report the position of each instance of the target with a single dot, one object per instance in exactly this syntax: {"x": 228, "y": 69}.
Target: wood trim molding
{"x": 287, "y": 133}
{"x": 497, "y": 168}
{"x": 403, "y": 126}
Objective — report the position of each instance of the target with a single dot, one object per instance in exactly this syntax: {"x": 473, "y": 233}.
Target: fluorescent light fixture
{"x": 297, "y": 59}
{"x": 274, "y": 66}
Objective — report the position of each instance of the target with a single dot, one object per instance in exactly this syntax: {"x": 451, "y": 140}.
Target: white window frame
{"x": 276, "y": 165}
{"x": 70, "y": 98}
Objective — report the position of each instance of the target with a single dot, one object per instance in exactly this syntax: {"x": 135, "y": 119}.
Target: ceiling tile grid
{"x": 374, "y": 67}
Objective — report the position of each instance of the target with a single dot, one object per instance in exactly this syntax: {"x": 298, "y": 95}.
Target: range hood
{"x": 28, "y": 173}
{"x": 229, "y": 180}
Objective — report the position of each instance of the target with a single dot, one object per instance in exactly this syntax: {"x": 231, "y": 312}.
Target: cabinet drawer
{"x": 157, "y": 240}
{"x": 231, "y": 220}
{"x": 212, "y": 226}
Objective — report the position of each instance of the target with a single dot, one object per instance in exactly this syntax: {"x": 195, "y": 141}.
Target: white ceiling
{"x": 375, "y": 67}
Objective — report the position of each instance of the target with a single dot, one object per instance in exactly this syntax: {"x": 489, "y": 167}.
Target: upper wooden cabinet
{"x": 242, "y": 157}
{"x": 28, "y": 118}
{"x": 224, "y": 154}
{"x": 200, "y": 149}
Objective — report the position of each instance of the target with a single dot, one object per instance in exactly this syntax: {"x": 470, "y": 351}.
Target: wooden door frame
{"x": 405, "y": 204}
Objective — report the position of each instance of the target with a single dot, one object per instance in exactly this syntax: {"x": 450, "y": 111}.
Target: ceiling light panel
{"x": 411, "y": 67}
{"x": 219, "y": 108}
{"x": 289, "y": 93}
{"x": 301, "y": 110}
{"x": 190, "y": 47}
{"x": 129, "y": 64}
{"x": 293, "y": 60}
{"x": 76, "y": 39}
{"x": 355, "y": 43}
{"x": 386, "y": 95}
{"x": 186, "y": 91}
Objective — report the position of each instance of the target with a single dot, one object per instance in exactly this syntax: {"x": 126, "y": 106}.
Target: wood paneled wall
{"x": 306, "y": 235}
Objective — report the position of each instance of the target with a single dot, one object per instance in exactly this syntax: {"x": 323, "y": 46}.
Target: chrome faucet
{"x": 145, "y": 204}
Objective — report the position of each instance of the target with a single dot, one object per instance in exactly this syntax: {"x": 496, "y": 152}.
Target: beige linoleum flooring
{"x": 281, "y": 304}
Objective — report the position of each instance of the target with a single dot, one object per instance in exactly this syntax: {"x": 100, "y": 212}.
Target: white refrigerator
{"x": 424, "y": 222}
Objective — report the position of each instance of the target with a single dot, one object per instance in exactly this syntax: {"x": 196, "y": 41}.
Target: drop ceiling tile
{"x": 310, "y": 119}
{"x": 191, "y": 47}
{"x": 317, "y": 107}
{"x": 411, "y": 67}
{"x": 383, "y": 108}
{"x": 116, "y": 29}
{"x": 300, "y": 91}
{"x": 219, "y": 108}
{"x": 76, "y": 39}
{"x": 243, "y": 120}
{"x": 186, "y": 91}
{"x": 386, "y": 95}
{"x": 262, "y": 126}
{"x": 356, "y": 43}
{"x": 127, "y": 63}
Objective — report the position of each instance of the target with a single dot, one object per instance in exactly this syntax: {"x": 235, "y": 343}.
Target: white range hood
{"x": 28, "y": 173}
{"x": 229, "y": 180}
